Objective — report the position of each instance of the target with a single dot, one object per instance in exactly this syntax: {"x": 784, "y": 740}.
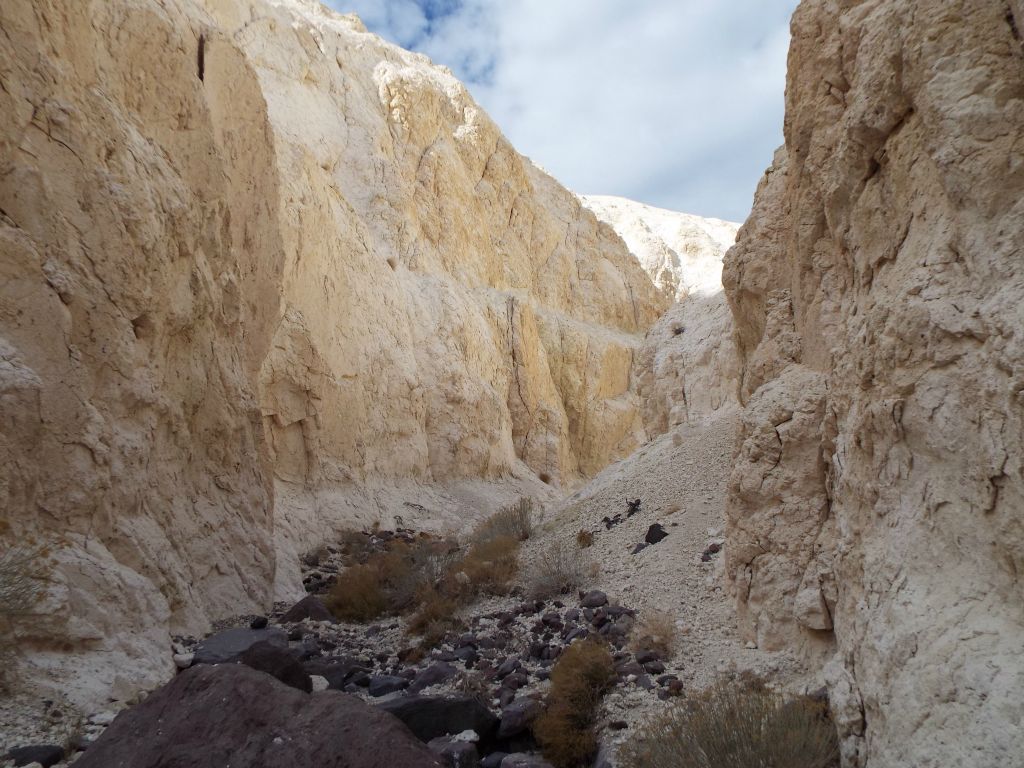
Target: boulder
{"x": 517, "y": 717}
{"x": 310, "y": 607}
{"x": 43, "y": 754}
{"x": 655, "y": 534}
{"x": 432, "y": 675}
{"x": 213, "y": 716}
{"x": 382, "y": 685}
{"x": 228, "y": 646}
{"x": 337, "y": 670}
{"x": 431, "y": 716}
{"x": 277, "y": 662}
{"x": 595, "y": 598}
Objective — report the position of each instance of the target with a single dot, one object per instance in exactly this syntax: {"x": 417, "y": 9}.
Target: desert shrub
{"x": 558, "y": 570}
{"x": 656, "y": 631}
{"x": 435, "y": 617}
{"x": 580, "y": 677}
{"x": 515, "y": 521}
{"x": 736, "y": 726}
{"x": 388, "y": 582}
{"x": 357, "y": 595}
{"x": 488, "y": 566}
{"x": 356, "y": 546}
{"x": 584, "y": 539}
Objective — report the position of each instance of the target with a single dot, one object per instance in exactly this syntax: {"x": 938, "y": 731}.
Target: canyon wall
{"x": 263, "y": 275}
{"x": 687, "y": 368}
{"x": 877, "y": 501}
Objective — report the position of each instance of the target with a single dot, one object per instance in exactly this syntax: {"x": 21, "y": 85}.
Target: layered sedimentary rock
{"x": 877, "y": 500}
{"x": 255, "y": 265}
{"x": 687, "y": 367}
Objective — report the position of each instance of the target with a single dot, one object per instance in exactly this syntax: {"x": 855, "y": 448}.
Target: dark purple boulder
{"x": 213, "y": 716}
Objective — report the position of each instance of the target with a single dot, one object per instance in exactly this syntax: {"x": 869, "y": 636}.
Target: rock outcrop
{"x": 687, "y": 367}
{"x": 877, "y": 495}
{"x": 263, "y": 275}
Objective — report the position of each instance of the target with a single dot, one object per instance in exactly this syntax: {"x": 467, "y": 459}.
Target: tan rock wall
{"x": 264, "y": 275}
{"x": 877, "y": 293}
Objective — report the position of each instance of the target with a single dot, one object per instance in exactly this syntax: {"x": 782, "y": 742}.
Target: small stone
{"x": 594, "y": 599}
{"x": 260, "y": 622}
{"x": 183, "y": 660}
{"x": 319, "y": 683}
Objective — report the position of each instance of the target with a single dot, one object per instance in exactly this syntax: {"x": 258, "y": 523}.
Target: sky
{"x": 675, "y": 103}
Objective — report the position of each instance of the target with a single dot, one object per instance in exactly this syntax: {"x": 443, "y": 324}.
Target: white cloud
{"x": 676, "y": 103}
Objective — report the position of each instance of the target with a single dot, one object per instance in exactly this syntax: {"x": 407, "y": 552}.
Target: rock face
{"x": 233, "y": 715}
{"x": 262, "y": 275}
{"x": 687, "y": 366}
{"x": 876, "y": 499}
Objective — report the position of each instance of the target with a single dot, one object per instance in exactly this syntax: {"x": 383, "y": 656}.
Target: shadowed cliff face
{"x": 876, "y": 289}
{"x": 262, "y": 275}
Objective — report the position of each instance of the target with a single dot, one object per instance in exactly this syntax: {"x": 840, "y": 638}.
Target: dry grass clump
{"x": 656, "y": 631}
{"x": 515, "y": 521}
{"x": 737, "y": 726}
{"x": 580, "y": 677}
{"x": 559, "y": 570}
{"x": 584, "y": 539}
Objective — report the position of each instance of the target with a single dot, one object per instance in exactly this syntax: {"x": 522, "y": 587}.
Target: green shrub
{"x": 737, "y": 726}
{"x": 580, "y": 677}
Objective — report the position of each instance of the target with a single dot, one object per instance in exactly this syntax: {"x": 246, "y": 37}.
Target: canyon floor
{"x": 680, "y": 480}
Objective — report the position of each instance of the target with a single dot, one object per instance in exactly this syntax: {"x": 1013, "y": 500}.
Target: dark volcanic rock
{"x": 432, "y": 675}
{"x": 517, "y": 717}
{"x": 595, "y": 598}
{"x": 382, "y": 685}
{"x": 655, "y": 534}
{"x": 309, "y": 607}
{"x": 431, "y": 716}
{"x": 278, "y": 662}
{"x": 210, "y": 717}
{"x": 228, "y": 646}
{"x": 44, "y": 754}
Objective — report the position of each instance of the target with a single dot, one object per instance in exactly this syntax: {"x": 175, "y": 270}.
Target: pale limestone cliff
{"x": 263, "y": 275}
{"x": 877, "y": 497}
{"x": 687, "y": 367}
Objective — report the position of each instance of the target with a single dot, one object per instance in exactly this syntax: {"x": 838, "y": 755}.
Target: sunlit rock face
{"x": 687, "y": 368}
{"x": 263, "y": 276}
{"x": 877, "y": 495}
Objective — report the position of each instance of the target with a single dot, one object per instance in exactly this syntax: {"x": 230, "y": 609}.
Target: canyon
{"x": 265, "y": 278}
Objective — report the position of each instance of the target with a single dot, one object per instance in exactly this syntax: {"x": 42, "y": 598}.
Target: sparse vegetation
{"x": 515, "y": 521}
{"x": 584, "y": 539}
{"x": 488, "y": 567}
{"x": 559, "y": 570}
{"x": 736, "y": 725}
{"x": 656, "y": 631}
{"x": 579, "y": 679}
{"x": 387, "y": 582}
{"x": 23, "y": 572}
{"x": 428, "y": 577}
